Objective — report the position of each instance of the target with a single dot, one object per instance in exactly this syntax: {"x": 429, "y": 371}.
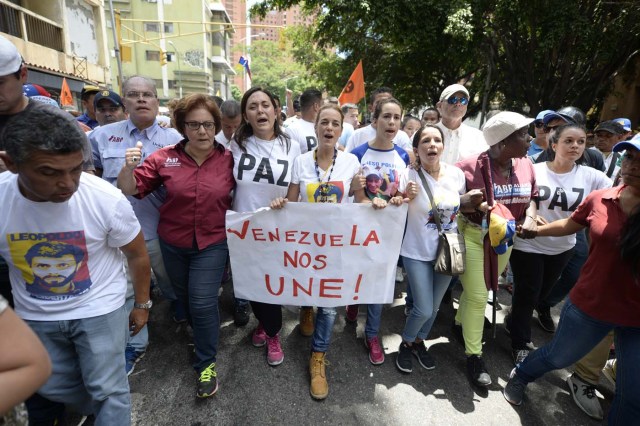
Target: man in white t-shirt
{"x": 350, "y": 123}
{"x": 303, "y": 131}
{"x": 231, "y": 118}
{"x": 460, "y": 140}
{"x": 64, "y": 235}
{"x": 368, "y": 133}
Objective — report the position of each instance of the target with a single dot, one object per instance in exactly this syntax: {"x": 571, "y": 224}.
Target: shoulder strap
{"x": 614, "y": 161}
{"x": 434, "y": 208}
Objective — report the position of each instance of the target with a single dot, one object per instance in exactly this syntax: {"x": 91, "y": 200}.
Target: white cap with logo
{"x": 10, "y": 59}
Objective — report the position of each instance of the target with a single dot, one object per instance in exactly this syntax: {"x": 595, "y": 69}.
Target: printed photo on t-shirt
{"x": 53, "y": 265}
{"x": 447, "y": 207}
{"x": 382, "y": 181}
{"x": 326, "y": 192}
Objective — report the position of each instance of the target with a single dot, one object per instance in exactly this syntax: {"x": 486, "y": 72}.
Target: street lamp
{"x": 175, "y": 49}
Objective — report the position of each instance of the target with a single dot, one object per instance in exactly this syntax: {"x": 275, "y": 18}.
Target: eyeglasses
{"x": 548, "y": 129}
{"x": 454, "y": 100}
{"x": 136, "y": 95}
{"x": 195, "y": 125}
{"x": 112, "y": 109}
{"x": 538, "y": 124}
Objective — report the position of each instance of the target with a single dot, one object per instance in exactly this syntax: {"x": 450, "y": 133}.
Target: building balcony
{"x": 31, "y": 27}
{"x": 221, "y": 63}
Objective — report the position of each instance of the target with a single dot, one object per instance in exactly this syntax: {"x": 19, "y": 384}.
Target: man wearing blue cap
{"x": 109, "y": 107}
{"x": 539, "y": 143}
{"x": 626, "y": 125}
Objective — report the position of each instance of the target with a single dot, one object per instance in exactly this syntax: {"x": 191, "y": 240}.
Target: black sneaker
{"x": 404, "y": 360}
{"x": 514, "y": 390}
{"x": 241, "y": 315}
{"x": 519, "y": 355}
{"x": 424, "y": 358}
{"x": 477, "y": 371}
{"x": 545, "y": 320}
{"x": 207, "y": 382}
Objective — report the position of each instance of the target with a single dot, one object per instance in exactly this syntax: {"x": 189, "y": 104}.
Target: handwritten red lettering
{"x": 297, "y": 286}
{"x": 336, "y": 240}
{"x": 325, "y": 288}
{"x": 372, "y": 237}
{"x": 243, "y": 233}
{"x": 303, "y": 238}
{"x": 267, "y": 281}
{"x": 258, "y": 235}
{"x": 290, "y": 236}
{"x": 321, "y": 260}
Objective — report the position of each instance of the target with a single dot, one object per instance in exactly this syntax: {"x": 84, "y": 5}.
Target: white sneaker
{"x": 584, "y": 395}
{"x": 399, "y": 275}
{"x": 609, "y": 371}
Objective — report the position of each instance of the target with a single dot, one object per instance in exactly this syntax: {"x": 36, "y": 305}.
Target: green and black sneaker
{"x": 207, "y": 382}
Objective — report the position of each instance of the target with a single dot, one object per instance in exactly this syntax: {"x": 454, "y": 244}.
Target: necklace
{"x": 265, "y": 170}
{"x": 326, "y": 186}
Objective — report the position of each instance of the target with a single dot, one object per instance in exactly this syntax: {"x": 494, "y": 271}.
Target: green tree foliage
{"x": 524, "y": 54}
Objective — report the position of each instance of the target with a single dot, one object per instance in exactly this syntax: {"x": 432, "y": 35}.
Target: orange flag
{"x": 354, "y": 90}
{"x": 65, "y": 94}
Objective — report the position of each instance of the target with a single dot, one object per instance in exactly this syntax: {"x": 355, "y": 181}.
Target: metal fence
{"x": 29, "y": 26}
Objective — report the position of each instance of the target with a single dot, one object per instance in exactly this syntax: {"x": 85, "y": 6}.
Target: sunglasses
{"x": 538, "y": 124}
{"x": 454, "y": 100}
{"x": 548, "y": 129}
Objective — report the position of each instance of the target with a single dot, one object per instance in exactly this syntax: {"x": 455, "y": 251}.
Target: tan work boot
{"x": 319, "y": 387}
{"x": 306, "y": 321}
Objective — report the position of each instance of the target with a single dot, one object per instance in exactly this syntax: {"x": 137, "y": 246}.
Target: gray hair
{"x": 151, "y": 82}
{"x": 41, "y": 127}
{"x": 346, "y": 107}
{"x": 230, "y": 108}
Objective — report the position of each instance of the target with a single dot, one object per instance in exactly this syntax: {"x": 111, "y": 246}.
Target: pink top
{"x": 515, "y": 191}
{"x": 198, "y": 197}
{"x": 606, "y": 289}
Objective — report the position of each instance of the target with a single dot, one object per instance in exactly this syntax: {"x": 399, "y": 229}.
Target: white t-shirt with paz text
{"x": 421, "y": 237}
{"x": 303, "y": 133}
{"x": 64, "y": 258}
{"x": 560, "y": 195}
{"x": 304, "y": 174}
{"x": 263, "y": 172}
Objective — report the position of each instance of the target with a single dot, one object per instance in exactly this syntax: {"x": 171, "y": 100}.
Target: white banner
{"x": 316, "y": 254}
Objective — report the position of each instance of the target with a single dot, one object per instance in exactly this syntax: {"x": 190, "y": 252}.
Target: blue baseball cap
{"x": 553, "y": 115}
{"x": 634, "y": 142}
{"x": 542, "y": 114}
{"x": 110, "y": 95}
{"x": 624, "y": 122}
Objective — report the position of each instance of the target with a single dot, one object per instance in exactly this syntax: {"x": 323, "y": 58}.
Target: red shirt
{"x": 606, "y": 289}
{"x": 198, "y": 197}
{"x": 515, "y": 191}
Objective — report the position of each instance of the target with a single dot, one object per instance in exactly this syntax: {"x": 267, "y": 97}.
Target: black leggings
{"x": 534, "y": 275}
{"x": 270, "y": 316}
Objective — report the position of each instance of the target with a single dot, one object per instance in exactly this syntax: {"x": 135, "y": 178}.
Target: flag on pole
{"x": 245, "y": 63}
{"x": 65, "y": 94}
{"x": 354, "y": 90}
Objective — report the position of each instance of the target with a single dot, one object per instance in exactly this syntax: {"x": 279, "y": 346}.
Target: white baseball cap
{"x": 450, "y": 90}
{"x": 501, "y": 125}
{"x": 10, "y": 59}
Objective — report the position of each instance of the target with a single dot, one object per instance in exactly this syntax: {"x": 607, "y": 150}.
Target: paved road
{"x": 252, "y": 392}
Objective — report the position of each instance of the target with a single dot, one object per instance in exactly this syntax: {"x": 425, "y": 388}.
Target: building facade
{"x": 184, "y": 45}
{"x": 59, "y": 39}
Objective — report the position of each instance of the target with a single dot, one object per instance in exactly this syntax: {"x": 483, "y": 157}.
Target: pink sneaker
{"x": 352, "y": 313}
{"x": 259, "y": 337}
{"x": 275, "y": 356}
{"x": 376, "y": 354}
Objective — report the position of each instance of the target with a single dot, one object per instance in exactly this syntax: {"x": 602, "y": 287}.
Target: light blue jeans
{"x": 427, "y": 289}
{"x": 87, "y": 356}
{"x": 325, "y": 317}
{"x": 374, "y": 316}
{"x": 159, "y": 270}
{"x": 576, "y": 335}
{"x": 196, "y": 276}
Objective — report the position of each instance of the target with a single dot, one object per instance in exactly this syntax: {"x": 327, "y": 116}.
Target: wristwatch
{"x": 146, "y": 305}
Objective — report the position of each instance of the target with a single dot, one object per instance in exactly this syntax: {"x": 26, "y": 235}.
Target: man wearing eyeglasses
{"x": 109, "y": 107}
{"x": 109, "y": 144}
{"x": 460, "y": 140}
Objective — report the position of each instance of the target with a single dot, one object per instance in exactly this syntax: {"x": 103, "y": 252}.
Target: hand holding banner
{"x": 289, "y": 257}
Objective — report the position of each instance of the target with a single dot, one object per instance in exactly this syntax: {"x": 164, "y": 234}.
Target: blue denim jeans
{"x": 427, "y": 288}
{"x": 325, "y": 318}
{"x": 569, "y": 275}
{"x": 159, "y": 270}
{"x": 87, "y": 356}
{"x": 576, "y": 335}
{"x": 374, "y": 316}
{"x": 196, "y": 276}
